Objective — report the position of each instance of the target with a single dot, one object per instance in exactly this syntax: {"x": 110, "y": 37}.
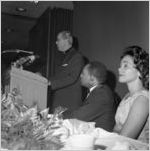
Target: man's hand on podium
{"x": 49, "y": 83}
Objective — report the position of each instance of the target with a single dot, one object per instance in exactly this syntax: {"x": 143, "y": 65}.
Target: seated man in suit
{"x": 98, "y": 107}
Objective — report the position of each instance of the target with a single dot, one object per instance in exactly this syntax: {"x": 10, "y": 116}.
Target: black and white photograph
{"x": 74, "y": 75}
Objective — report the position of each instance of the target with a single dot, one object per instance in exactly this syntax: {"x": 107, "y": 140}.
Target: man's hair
{"x": 98, "y": 70}
{"x": 67, "y": 35}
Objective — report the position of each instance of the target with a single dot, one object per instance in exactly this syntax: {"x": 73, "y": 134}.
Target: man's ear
{"x": 93, "y": 79}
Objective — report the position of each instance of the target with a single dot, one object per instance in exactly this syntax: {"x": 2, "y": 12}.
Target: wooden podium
{"x": 33, "y": 87}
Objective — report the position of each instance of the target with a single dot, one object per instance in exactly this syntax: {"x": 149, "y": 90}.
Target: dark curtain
{"x": 39, "y": 43}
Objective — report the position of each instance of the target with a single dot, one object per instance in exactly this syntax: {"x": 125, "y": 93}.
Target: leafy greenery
{"x": 27, "y": 128}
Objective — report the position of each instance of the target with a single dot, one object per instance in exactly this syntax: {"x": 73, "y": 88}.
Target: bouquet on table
{"x": 24, "y": 127}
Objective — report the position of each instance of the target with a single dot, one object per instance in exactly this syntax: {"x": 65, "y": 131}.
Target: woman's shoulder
{"x": 140, "y": 95}
{"x": 140, "y": 98}
{"x": 144, "y": 93}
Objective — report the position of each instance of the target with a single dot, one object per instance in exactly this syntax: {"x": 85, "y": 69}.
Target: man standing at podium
{"x": 65, "y": 84}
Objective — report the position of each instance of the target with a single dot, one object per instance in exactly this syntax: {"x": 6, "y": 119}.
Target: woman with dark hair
{"x": 133, "y": 112}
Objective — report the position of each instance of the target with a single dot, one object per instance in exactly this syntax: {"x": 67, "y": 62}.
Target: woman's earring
{"x": 139, "y": 75}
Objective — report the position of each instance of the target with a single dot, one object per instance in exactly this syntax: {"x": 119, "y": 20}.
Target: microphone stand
{"x": 17, "y": 51}
{"x": 15, "y": 64}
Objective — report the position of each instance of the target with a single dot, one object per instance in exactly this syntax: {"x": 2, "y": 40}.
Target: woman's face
{"x": 127, "y": 71}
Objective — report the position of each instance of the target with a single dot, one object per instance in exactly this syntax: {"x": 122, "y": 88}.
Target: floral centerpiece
{"x": 28, "y": 128}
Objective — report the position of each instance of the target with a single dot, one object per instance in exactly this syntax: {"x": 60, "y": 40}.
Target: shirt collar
{"x": 92, "y": 88}
{"x": 68, "y": 50}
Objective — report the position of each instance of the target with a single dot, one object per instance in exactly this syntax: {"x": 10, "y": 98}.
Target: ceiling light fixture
{"x": 20, "y": 9}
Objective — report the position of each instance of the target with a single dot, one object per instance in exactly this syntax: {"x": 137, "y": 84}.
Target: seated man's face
{"x": 85, "y": 77}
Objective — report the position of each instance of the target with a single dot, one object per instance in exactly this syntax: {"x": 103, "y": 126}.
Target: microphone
{"x": 26, "y": 60}
{"x": 17, "y": 51}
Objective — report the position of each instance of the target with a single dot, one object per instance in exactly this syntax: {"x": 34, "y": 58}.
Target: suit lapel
{"x": 87, "y": 99}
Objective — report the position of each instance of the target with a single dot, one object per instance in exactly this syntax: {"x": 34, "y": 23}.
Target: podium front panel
{"x": 33, "y": 87}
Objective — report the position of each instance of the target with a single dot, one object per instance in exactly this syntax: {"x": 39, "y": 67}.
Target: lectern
{"x": 33, "y": 87}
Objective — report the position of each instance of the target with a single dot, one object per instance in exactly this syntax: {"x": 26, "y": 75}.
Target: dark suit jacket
{"x": 66, "y": 82}
{"x": 99, "y": 108}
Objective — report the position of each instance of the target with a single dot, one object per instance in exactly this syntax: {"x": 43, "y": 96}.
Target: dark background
{"x": 103, "y": 28}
